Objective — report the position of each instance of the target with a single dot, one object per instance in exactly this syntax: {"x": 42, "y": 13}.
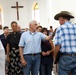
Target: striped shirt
{"x": 66, "y": 37}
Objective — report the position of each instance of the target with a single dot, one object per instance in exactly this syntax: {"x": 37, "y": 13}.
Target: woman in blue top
{"x": 46, "y": 55}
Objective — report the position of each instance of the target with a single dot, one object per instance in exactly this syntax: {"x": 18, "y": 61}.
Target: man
{"x": 30, "y": 49}
{"x": 19, "y": 29}
{"x": 51, "y": 30}
{"x": 65, "y": 42}
{"x": 4, "y": 36}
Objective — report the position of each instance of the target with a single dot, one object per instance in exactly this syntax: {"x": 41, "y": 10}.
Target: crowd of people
{"x": 32, "y": 51}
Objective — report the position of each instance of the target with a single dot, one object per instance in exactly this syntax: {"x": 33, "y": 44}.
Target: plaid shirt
{"x": 66, "y": 37}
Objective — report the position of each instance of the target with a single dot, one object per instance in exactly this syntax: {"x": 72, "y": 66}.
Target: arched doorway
{"x": 35, "y": 12}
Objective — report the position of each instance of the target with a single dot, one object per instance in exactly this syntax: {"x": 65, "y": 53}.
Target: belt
{"x": 33, "y": 54}
{"x": 74, "y": 54}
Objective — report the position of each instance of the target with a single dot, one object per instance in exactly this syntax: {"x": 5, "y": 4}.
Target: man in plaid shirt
{"x": 65, "y": 42}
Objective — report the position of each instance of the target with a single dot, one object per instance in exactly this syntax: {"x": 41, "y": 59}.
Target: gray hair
{"x": 32, "y": 22}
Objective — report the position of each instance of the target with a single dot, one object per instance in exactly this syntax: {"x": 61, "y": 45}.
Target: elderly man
{"x": 30, "y": 49}
{"x": 65, "y": 42}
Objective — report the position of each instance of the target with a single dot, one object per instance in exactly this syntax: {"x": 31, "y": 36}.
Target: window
{"x": 35, "y": 14}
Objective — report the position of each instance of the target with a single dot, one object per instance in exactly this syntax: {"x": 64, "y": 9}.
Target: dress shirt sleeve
{"x": 43, "y": 36}
{"x": 22, "y": 41}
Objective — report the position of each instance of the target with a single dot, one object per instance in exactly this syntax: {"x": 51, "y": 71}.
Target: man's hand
{"x": 23, "y": 62}
{"x": 8, "y": 59}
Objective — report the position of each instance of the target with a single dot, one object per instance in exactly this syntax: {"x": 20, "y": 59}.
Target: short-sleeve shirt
{"x": 13, "y": 39}
{"x": 31, "y": 42}
{"x": 66, "y": 37}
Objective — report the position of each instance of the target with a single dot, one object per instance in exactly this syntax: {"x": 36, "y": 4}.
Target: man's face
{"x": 6, "y": 31}
{"x": 61, "y": 20}
{"x": 18, "y": 28}
{"x": 34, "y": 26}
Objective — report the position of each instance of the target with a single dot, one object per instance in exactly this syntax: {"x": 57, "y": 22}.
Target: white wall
{"x": 25, "y": 14}
{"x": 60, "y": 5}
{"x": 48, "y": 9}
{"x": 41, "y": 10}
{"x": 10, "y": 14}
{"x": 44, "y": 9}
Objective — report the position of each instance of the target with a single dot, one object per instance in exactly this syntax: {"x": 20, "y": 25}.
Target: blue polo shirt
{"x": 31, "y": 42}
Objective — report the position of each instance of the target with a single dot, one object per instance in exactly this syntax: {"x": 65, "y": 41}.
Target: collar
{"x": 32, "y": 33}
{"x": 67, "y": 22}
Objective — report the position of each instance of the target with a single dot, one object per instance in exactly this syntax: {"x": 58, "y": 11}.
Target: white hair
{"x": 32, "y": 22}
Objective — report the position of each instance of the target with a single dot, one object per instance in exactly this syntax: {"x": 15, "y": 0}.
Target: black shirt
{"x": 13, "y": 39}
{"x": 45, "y": 46}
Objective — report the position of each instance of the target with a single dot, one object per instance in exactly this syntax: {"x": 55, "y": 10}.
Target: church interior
{"x": 23, "y": 11}
{"x": 43, "y": 11}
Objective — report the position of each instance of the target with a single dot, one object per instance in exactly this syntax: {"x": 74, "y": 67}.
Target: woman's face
{"x": 45, "y": 32}
{"x": 14, "y": 27}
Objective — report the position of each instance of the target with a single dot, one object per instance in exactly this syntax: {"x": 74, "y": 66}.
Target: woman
{"x": 47, "y": 55}
{"x": 13, "y": 56}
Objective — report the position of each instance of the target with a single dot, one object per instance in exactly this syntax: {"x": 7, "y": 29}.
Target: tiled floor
{"x": 38, "y": 74}
{"x": 53, "y": 72}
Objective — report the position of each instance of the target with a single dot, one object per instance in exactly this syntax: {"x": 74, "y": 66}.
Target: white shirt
{"x": 2, "y": 59}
